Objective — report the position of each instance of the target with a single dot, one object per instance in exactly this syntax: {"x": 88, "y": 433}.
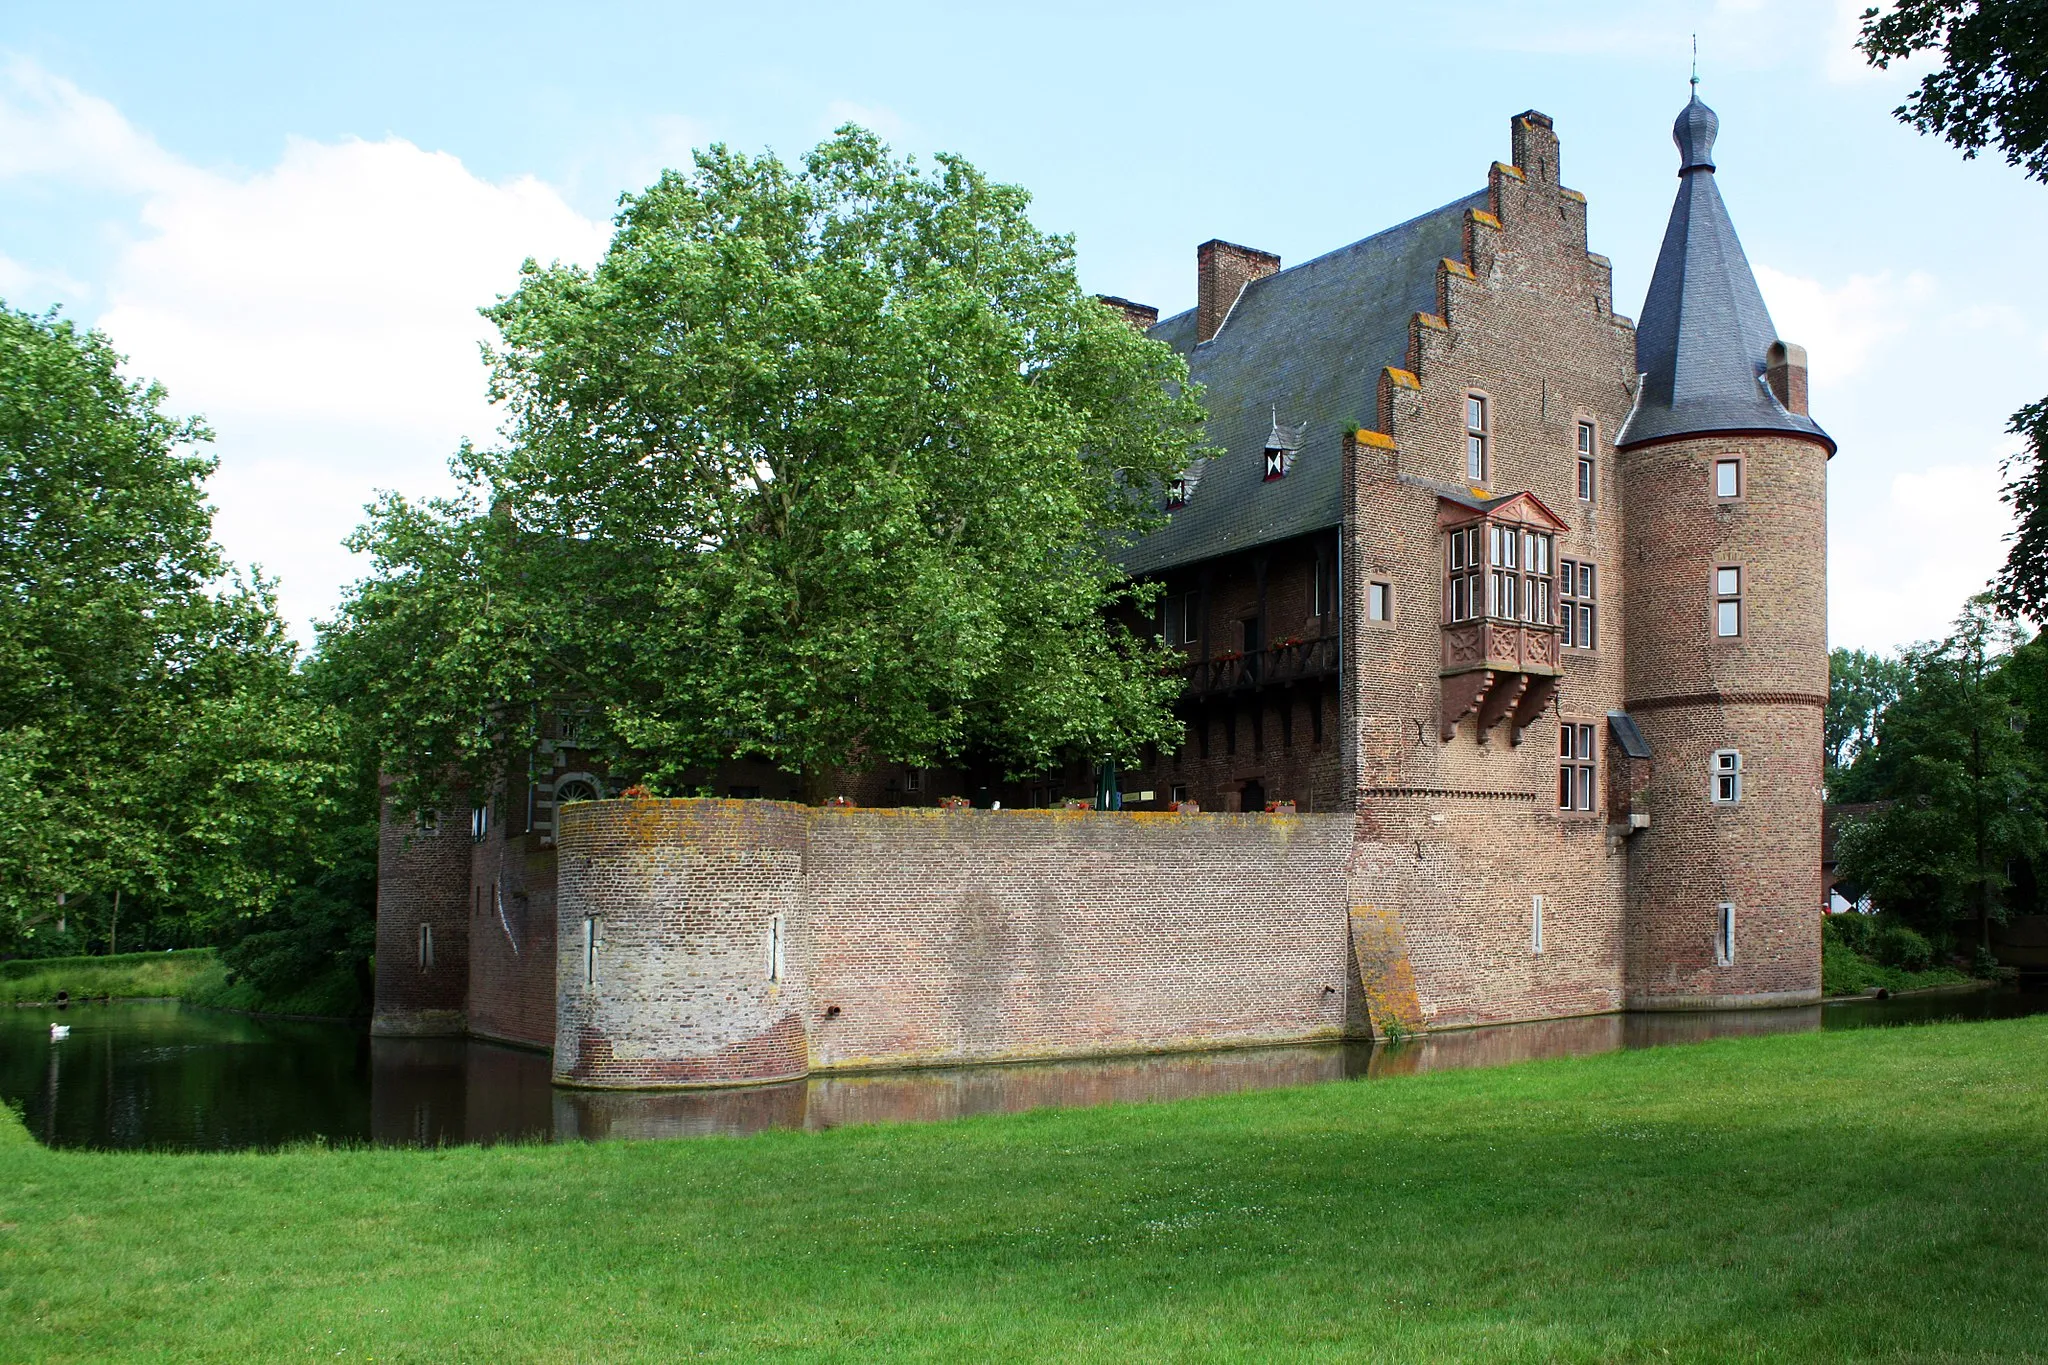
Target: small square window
{"x": 1379, "y": 602}
{"x": 1727, "y": 777}
{"x": 1728, "y": 618}
{"x": 1727, "y": 478}
{"x": 1585, "y": 438}
{"x": 1728, "y": 582}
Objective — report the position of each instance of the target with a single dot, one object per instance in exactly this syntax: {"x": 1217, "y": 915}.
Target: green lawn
{"x": 1873, "y": 1194}
{"x": 126, "y": 976}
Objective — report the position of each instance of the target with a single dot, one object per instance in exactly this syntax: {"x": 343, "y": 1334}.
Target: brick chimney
{"x": 1222, "y": 270}
{"x": 1141, "y": 316}
{"x": 1785, "y": 372}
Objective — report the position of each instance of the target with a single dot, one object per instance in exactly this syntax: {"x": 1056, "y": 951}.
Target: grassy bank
{"x": 1860, "y": 953}
{"x": 1816, "y": 1196}
{"x": 125, "y": 976}
{"x": 333, "y": 996}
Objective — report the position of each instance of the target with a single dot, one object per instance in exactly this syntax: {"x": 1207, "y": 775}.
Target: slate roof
{"x": 1303, "y": 348}
{"x": 1703, "y": 331}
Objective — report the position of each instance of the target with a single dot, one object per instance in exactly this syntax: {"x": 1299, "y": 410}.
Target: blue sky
{"x": 289, "y": 215}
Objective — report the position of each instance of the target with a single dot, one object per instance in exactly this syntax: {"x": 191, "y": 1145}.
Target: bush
{"x": 1897, "y": 946}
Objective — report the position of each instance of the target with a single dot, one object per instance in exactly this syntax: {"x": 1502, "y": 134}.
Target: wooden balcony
{"x": 1498, "y": 669}
{"x": 1283, "y": 665}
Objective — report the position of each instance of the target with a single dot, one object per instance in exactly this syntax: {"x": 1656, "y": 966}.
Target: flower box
{"x": 1279, "y": 808}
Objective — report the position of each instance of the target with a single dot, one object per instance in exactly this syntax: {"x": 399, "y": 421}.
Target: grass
{"x": 1863, "y": 1194}
{"x": 122, "y": 977}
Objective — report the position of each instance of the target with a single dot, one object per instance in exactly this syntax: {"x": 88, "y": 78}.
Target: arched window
{"x": 575, "y": 789}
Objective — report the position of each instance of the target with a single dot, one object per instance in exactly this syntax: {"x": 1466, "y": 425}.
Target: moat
{"x": 160, "y": 1075}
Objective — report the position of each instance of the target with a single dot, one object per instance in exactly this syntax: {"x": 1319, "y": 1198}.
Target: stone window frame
{"x": 1741, "y": 464}
{"x": 1724, "y": 778}
{"x": 1478, "y": 439}
{"x": 1578, "y": 763}
{"x": 426, "y": 946}
{"x": 1536, "y": 908}
{"x": 1587, "y": 484}
{"x": 1724, "y": 934}
{"x": 1381, "y": 589}
{"x": 593, "y": 937}
{"x": 1573, "y": 608}
{"x": 1729, "y": 593}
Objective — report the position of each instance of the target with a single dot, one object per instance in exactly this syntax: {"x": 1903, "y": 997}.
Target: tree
{"x": 1957, "y": 781}
{"x": 822, "y": 465}
{"x": 163, "y": 763}
{"x": 1861, "y": 685}
{"x": 1991, "y": 87}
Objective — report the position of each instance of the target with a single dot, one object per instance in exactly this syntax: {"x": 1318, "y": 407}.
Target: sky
{"x": 289, "y": 215}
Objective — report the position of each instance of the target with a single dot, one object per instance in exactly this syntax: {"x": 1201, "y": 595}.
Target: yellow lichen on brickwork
{"x": 1573, "y": 195}
{"x": 1431, "y": 321}
{"x": 1378, "y": 439}
{"x": 1482, "y": 216}
{"x": 1403, "y": 378}
{"x": 1385, "y": 976}
{"x": 1503, "y": 168}
{"x": 1458, "y": 268}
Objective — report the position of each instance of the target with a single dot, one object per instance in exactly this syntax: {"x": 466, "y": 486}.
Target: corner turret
{"x": 1704, "y": 339}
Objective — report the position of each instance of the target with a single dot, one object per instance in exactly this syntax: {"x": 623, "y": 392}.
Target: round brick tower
{"x": 679, "y": 958}
{"x": 1724, "y": 482}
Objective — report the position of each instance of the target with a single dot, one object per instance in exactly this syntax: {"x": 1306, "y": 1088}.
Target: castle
{"x": 1505, "y": 623}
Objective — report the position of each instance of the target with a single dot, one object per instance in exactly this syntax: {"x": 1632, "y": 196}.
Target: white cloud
{"x": 1842, "y": 325}
{"x": 17, "y": 279}
{"x": 321, "y": 313}
{"x": 1906, "y": 566}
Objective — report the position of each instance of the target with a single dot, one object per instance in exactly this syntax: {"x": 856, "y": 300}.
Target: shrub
{"x": 1897, "y": 946}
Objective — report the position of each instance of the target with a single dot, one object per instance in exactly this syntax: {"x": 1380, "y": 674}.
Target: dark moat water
{"x": 152, "y": 1074}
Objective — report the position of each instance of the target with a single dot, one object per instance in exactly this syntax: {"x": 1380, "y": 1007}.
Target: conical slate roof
{"x": 1703, "y": 333}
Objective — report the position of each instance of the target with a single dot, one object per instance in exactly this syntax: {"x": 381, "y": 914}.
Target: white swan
{"x": 59, "y": 1031}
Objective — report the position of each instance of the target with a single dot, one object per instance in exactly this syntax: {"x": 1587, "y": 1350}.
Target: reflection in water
{"x": 157, "y": 1074}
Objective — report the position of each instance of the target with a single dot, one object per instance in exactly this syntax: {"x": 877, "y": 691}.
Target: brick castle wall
{"x": 914, "y": 937}
{"x": 422, "y": 880}
{"x": 512, "y": 939}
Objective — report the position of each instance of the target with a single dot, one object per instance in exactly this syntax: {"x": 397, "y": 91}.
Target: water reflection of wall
{"x": 431, "y": 1092}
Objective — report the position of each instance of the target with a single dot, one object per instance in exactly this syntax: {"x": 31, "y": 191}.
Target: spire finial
{"x": 1695, "y": 65}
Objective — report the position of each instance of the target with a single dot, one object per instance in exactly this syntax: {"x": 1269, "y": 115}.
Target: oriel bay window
{"x": 1500, "y": 609}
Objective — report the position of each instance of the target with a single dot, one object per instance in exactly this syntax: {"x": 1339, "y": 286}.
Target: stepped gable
{"x": 1703, "y": 337}
{"x": 1304, "y": 347}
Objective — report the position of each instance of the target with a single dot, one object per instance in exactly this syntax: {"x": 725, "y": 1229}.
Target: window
{"x": 1536, "y": 581}
{"x": 1178, "y": 792}
{"x": 572, "y": 727}
{"x": 1536, "y": 925}
{"x": 426, "y": 946}
{"x": 590, "y": 950}
{"x": 1276, "y": 464}
{"x": 1728, "y": 478}
{"x": 1190, "y": 618}
{"x": 1176, "y": 494}
{"x": 1728, "y": 601}
{"x": 1724, "y": 934}
{"x": 1467, "y": 590}
{"x": 1576, "y": 760}
{"x": 1326, "y": 587}
{"x": 1475, "y": 438}
{"x": 1576, "y": 612}
{"x": 1585, "y": 461}
{"x": 1727, "y": 788}
{"x": 775, "y": 947}
{"x": 913, "y": 779}
{"x": 479, "y": 824}
{"x": 1379, "y": 601}
{"x": 427, "y": 821}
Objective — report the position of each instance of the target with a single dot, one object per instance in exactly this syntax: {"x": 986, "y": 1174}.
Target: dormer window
{"x": 1276, "y": 464}
{"x": 1281, "y": 446}
{"x": 1176, "y": 494}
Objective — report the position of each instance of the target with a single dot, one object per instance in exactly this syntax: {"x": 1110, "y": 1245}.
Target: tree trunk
{"x": 114, "y": 926}
{"x": 817, "y": 785}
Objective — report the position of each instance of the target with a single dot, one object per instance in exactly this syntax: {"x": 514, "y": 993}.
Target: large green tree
{"x": 1861, "y": 686}
{"x": 163, "y": 763}
{"x": 1990, "y": 89}
{"x": 822, "y": 464}
{"x": 1957, "y": 784}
